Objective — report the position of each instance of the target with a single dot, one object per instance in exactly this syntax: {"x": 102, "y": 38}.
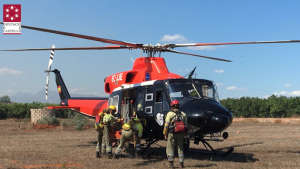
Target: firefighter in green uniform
{"x": 132, "y": 131}
{"x": 175, "y": 119}
{"x": 99, "y": 125}
{"x": 108, "y": 121}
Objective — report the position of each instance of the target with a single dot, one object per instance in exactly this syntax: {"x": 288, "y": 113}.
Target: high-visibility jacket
{"x": 108, "y": 119}
{"x": 134, "y": 125}
{"x": 170, "y": 116}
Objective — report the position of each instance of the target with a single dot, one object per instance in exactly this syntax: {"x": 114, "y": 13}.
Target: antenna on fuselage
{"x": 132, "y": 59}
{"x": 192, "y": 72}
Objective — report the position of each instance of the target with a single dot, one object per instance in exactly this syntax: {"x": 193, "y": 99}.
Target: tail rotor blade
{"x": 49, "y": 69}
{"x": 51, "y": 58}
{"x": 47, "y": 84}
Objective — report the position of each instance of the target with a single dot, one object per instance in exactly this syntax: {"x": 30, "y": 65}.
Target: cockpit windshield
{"x": 184, "y": 91}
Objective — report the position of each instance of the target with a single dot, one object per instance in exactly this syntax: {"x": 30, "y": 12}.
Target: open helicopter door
{"x": 127, "y": 106}
{"x": 125, "y": 109}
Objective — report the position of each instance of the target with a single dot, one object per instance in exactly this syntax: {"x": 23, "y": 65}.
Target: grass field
{"x": 257, "y": 145}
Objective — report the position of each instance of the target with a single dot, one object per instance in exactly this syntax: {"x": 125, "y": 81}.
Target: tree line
{"x": 273, "y": 106}
{"x": 22, "y": 110}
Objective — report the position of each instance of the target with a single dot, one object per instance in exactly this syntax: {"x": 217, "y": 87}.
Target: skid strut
{"x": 148, "y": 146}
{"x": 205, "y": 143}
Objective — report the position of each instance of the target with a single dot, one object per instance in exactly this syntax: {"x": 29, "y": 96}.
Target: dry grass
{"x": 269, "y": 120}
{"x": 257, "y": 145}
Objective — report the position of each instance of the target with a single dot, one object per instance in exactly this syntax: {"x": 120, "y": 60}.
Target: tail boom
{"x": 87, "y": 106}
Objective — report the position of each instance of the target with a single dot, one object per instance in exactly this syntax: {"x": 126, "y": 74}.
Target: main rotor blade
{"x": 78, "y": 48}
{"x": 232, "y": 43}
{"x": 82, "y": 36}
{"x": 173, "y": 51}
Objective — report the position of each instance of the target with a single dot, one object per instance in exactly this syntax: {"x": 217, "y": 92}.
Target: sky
{"x": 257, "y": 70}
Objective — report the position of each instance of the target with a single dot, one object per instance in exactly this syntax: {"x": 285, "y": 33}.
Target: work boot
{"x": 181, "y": 165}
{"x": 97, "y": 154}
{"x": 115, "y": 156}
{"x": 109, "y": 155}
{"x": 170, "y": 165}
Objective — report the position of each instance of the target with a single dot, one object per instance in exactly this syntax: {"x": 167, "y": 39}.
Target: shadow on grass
{"x": 90, "y": 144}
{"x": 201, "y": 166}
{"x": 243, "y": 145}
{"x": 93, "y": 144}
{"x": 158, "y": 155}
{"x": 145, "y": 163}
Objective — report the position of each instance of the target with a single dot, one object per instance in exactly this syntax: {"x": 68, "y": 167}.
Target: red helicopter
{"x": 149, "y": 88}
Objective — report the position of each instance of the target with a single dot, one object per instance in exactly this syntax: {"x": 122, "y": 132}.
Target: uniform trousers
{"x": 128, "y": 135}
{"x": 106, "y": 141}
{"x": 175, "y": 139}
{"x": 99, "y": 139}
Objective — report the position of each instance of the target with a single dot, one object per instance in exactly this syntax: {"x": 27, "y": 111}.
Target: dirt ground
{"x": 257, "y": 145}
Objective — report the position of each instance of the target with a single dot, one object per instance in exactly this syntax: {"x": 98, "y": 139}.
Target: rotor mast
{"x": 152, "y": 50}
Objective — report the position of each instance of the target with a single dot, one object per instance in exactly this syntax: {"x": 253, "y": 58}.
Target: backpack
{"x": 177, "y": 125}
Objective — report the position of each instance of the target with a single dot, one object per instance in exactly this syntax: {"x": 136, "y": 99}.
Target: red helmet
{"x": 174, "y": 103}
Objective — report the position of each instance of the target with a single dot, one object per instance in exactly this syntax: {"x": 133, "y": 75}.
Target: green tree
{"x": 5, "y": 99}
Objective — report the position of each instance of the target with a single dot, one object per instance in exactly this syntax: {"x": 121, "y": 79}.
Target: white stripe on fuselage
{"x": 127, "y": 86}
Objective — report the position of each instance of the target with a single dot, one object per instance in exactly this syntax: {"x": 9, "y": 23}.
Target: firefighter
{"x": 99, "y": 128}
{"x": 103, "y": 149}
{"x": 108, "y": 121}
{"x": 175, "y": 135}
{"x": 132, "y": 131}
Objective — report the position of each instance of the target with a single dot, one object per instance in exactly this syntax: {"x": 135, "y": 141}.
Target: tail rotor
{"x": 49, "y": 70}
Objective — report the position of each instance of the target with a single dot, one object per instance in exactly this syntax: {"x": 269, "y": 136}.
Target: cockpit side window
{"x": 158, "y": 96}
{"x": 140, "y": 101}
{"x": 114, "y": 101}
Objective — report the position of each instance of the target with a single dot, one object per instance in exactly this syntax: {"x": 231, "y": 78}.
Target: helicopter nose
{"x": 219, "y": 121}
{"x": 207, "y": 114}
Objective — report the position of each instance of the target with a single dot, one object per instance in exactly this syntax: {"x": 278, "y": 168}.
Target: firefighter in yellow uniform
{"x": 99, "y": 128}
{"x": 174, "y": 139}
{"x": 108, "y": 121}
{"x": 133, "y": 131}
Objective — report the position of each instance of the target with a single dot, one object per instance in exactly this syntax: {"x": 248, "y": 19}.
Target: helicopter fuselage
{"x": 151, "y": 99}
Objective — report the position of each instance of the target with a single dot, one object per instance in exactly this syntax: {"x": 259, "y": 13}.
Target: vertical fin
{"x": 61, "y": 87}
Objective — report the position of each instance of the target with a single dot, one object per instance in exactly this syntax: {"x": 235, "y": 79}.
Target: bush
{"x": 78, "y": 121}
{"x": 50, "y": 121}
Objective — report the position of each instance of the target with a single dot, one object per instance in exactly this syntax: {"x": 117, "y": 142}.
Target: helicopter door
{"x": 127, "y": 106}
{"x": 126, "y": 109}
